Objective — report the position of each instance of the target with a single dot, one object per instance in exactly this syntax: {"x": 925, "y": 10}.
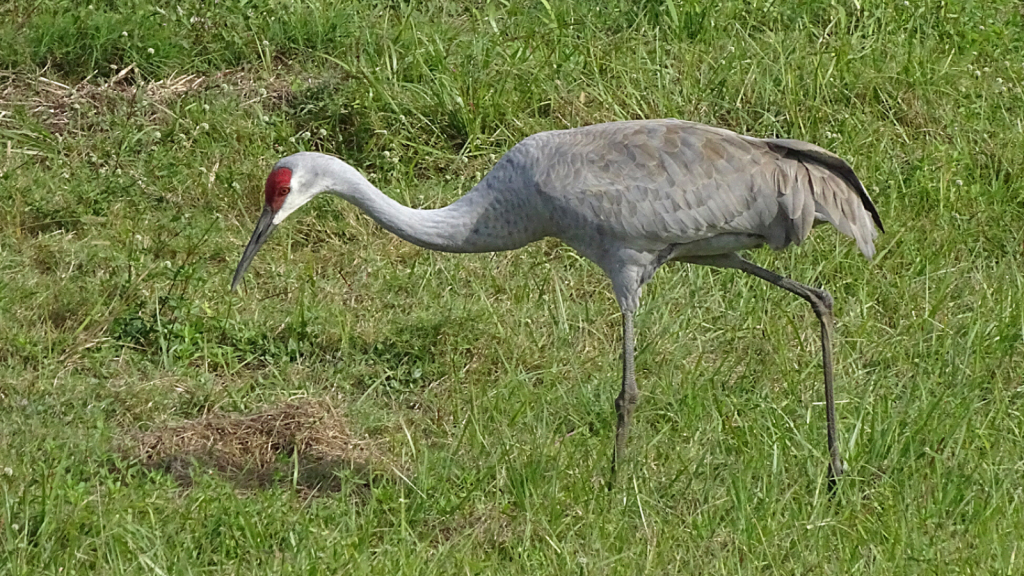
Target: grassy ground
{"x": 365, "y": 406}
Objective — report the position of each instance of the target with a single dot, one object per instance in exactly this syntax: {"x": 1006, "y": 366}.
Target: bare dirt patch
{"x": 302, "y": 443}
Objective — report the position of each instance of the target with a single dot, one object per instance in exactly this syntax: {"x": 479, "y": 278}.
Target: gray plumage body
{"x": 630, "y": 196}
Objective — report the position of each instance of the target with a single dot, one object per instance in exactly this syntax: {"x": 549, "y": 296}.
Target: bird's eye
{"x": 283, "y": 191}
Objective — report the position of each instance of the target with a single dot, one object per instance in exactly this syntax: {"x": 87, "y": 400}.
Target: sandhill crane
{"x": 629, "y": 196}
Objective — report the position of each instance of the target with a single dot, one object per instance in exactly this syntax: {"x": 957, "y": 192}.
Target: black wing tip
{"x": 874, "y": 212}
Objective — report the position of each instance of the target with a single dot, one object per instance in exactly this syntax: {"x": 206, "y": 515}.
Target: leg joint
{"x": 627, "y": 399}
{"x": 822, "y": 301}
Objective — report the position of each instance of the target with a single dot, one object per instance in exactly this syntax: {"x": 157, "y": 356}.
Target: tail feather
{"x": 854, "y": 216}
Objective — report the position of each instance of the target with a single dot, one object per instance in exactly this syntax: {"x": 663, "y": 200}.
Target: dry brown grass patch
{"x": 304, "y": 443}
{"x": 54, "y": 104}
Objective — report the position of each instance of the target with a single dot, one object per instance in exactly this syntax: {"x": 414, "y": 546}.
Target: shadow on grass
{"x": 306, "y": 445}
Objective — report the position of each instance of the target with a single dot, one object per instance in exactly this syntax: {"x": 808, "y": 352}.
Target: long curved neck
{"x": 489, "y": 218}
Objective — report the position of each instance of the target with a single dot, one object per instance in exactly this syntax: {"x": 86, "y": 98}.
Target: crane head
{"x": 292, "y": 182}
{"x": 275, "y": 208}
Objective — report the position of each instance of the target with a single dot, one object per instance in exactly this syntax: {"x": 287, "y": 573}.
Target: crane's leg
{"x": 821, "y": 303}
{"x": 629, "y": 396}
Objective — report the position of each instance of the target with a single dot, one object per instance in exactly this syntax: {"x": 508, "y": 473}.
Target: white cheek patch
{"x": 301, "y": 192}
{"x": 287, "y": 208}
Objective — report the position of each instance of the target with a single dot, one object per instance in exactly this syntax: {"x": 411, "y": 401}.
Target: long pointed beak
{"x": 263, "y": 229}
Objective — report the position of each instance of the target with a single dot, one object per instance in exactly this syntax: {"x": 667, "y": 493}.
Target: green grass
{"x": 480, "y": 387}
